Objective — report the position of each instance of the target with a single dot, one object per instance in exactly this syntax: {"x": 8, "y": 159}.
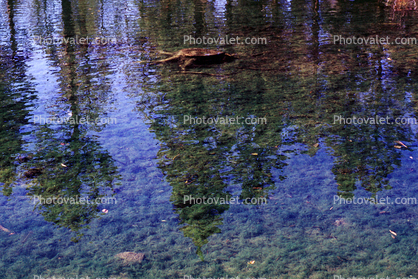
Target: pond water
{"x": 296, "y": 157}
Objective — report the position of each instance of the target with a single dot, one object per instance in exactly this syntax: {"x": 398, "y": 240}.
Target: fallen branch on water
{"x": 206, "y": 74}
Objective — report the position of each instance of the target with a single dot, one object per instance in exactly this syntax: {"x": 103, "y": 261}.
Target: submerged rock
{"x": 32, "y": 173}
{"x": 131, "y": 257}
{"x": 340, "y": 222}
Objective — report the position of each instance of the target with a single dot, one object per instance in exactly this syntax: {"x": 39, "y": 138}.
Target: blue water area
{"x": 208, "y": 139}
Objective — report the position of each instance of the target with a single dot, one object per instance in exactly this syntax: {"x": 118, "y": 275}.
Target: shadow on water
{"x": 65, "y": 167}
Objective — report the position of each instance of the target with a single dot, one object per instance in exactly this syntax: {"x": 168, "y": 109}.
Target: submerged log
{"x": 196, "y": 56}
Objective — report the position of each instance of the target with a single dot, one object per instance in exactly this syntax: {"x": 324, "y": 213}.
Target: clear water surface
{"x": 314, "y": 179}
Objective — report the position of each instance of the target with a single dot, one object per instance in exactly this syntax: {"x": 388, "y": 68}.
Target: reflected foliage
{"x": 70, "y": 168}
{"x": 60, "y": 162}
{"x": 13, "y": 116}
{"x": 202, "y": 161}
{"x": 300, "y": 82}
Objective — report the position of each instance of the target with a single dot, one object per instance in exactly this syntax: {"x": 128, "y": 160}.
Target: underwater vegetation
{"x": 290, "y": 147}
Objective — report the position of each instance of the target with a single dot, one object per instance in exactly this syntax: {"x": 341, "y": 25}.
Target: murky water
{"x": 293, "y": 156}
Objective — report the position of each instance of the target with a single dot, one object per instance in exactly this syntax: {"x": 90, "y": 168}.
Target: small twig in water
{"x": 23, "y": 241}
{"x": 206, "y": 74}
